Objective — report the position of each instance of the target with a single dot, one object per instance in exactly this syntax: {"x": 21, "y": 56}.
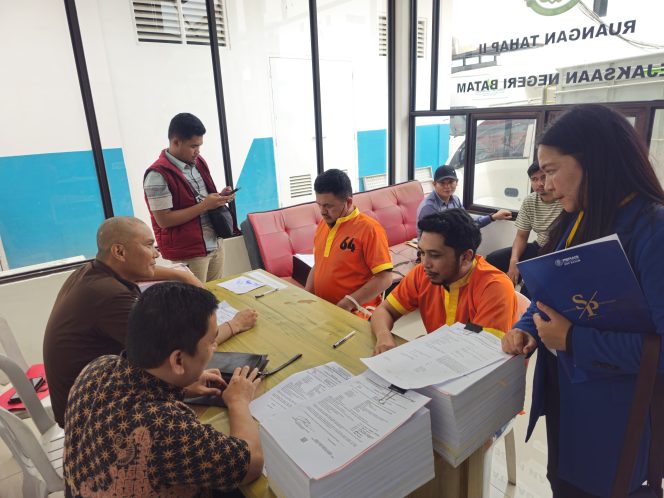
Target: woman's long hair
{"x": 615, "y": 163}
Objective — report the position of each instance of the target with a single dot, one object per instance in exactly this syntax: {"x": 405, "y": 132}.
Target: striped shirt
{"x": 159, "y": 196}
{"x": 537, "y": 215}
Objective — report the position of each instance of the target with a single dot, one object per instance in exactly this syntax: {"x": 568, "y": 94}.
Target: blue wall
{"x": 258, "y": 180}
{"x": 50, "y": 206}
{"x": 371, "y": 153}
{"x": 432, "y": 145}
{"x": 431, "y": 149}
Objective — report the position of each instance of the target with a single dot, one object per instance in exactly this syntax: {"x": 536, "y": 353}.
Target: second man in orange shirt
{"x": 452, "y": 284}
{"x": 352, "y": 264}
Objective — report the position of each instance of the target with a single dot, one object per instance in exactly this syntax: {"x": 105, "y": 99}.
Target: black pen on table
{"x": 266, "y": 293}
{"x": 266, "y": 373}
{"x": 344, "y": 339}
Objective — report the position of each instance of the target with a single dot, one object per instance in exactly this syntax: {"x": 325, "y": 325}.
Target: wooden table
{"x": 292, "y": 321}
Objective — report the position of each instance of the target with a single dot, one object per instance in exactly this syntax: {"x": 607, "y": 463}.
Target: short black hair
{"x": 167, "y": 316}
{"x": 533, "y": 168}
{"x": 334, "y": 181}
{"x": 457, "y": 228}
{"x": 185, "y": 126}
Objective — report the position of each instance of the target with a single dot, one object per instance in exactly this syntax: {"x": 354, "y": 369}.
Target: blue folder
{"x": 590, "y": 284}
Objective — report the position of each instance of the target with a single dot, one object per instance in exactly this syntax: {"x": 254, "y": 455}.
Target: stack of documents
{"x": 474, "y": 387}
{"x": 466, "y": 412}
{"x": 326, "y": 433}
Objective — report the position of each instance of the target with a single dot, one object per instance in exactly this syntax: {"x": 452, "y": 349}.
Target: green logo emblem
{"x": 551, "y": 7}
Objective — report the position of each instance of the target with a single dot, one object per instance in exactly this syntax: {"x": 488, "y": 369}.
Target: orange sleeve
{"x": 498, "y": 305}
{"x": 376, "y": 250}
{"x": 404, "y": 297}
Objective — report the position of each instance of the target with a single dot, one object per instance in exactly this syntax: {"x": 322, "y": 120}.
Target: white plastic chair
{"x": 508, "y": 431}
{"x": 11, "y": 349}
{"x": 524, "y": 303}
{"x": 40, "y": 457}
{"x": 10, "y": 346}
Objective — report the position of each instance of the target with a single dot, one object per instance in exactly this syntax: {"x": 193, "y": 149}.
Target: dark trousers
{"x": 560, "y": 488}
{"x": 501, "y": 259}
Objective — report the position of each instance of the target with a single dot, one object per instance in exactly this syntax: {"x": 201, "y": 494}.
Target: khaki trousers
{"x": 208, "y": 267}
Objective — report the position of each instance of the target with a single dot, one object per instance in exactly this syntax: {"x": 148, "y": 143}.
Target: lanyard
{"x": 580, "y": 216}
{"x": 574, "y": 229}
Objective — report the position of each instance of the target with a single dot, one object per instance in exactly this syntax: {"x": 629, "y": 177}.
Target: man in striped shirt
{"x": 537, "y": 212}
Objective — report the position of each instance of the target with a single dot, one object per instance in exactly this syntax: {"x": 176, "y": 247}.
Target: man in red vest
{"x": 179, "y": 192}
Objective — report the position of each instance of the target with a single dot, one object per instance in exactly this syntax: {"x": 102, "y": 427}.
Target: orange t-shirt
{"x": 348, "y": 255}
{"x": 485, "y": 296}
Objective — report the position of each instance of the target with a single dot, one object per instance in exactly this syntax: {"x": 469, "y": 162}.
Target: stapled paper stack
{"x": 474, "y": 387}
{"x": 466, "y": 412}
{"x": 325, "y": 433}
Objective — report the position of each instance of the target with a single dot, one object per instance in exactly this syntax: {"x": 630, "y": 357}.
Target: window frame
{"x": 643, "y": 111}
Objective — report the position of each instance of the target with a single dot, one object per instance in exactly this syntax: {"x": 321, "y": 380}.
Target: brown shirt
{"x": 128, "y": 433}
{"x": 88, "y": 320}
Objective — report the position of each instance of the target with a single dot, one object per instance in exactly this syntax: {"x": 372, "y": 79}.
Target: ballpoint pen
{"x": 266, "y": 293}
{"x": 266, "y": 373}
{"x": 344, "y": 339}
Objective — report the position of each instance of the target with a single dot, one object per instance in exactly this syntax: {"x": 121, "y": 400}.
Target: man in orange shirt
{"x": 352, "y": 262}
{"x": 451, "y": 284}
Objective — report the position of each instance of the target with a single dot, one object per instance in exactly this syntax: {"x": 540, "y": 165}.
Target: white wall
{"x": 39, "y": 92}
{"x": 26, "y": 306}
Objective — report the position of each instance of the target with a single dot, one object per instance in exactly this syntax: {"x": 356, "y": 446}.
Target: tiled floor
{"x": 531, "y": 457}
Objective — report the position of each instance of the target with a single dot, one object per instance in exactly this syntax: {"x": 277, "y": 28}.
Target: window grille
{"x": 178, "y": 21}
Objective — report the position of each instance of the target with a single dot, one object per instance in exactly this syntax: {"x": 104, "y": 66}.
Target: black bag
{"x": 648, "y": 395}
{"x": 222, "y": 221}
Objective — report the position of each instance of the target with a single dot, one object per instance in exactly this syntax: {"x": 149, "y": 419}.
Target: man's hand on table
{"x": 384, "y": 343}
{"x": 189, "y": 278}
{"x": 210, "y": 383}
{"x": 346, "y": 304}
{"x": 242, "y": 387}
{"x": 243, "y": 320}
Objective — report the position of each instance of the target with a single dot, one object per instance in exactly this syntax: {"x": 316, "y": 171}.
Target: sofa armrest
{"x": 252, "y": 245}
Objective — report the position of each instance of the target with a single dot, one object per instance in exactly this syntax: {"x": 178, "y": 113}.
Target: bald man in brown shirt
{"x": 89, "y": 317}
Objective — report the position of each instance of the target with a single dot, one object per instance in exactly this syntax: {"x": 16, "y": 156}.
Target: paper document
{"x": 298, "y": 388}
{"x": 456, "y": 386}
{"x": 272, "y": 282}
{"x": 447, "y": 353}
{"x": 225, "y": 312}
{"x": 307, "y": 258}
{"x": 241, "y": 285}
{"x": 327, "y": 432}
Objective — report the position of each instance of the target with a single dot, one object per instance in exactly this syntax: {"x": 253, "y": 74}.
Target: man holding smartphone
{"x": 179, "y": 192}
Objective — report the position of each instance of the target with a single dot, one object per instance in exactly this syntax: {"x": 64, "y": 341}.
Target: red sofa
{"x": 273, "y": 237}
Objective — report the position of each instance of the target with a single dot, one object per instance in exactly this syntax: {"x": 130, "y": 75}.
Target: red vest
{"x": 183, "y": 241}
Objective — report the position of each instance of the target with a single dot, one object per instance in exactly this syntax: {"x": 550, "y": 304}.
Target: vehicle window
{"x": 504, "y": 148}
{"x": 501, "y": 139}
